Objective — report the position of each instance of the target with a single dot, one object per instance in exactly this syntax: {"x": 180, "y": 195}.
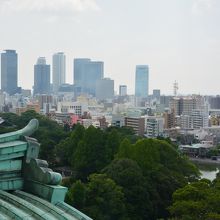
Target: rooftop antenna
{"x": 175, "y": 88}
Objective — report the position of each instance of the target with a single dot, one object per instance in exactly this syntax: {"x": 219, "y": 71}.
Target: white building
{"x": 87, "y": 122}
{"x": 200, "y": 119}
{"x": 59, "y": 70}
{"x": 72, "y": 107}
{"x": 186, "y": 122}
{"x": 154, "y": 126}
{"x": 118, "y": 120}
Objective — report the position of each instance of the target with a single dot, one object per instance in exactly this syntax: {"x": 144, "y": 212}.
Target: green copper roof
{"x": 29, "y": 189}
{"x": 21, "y": 205}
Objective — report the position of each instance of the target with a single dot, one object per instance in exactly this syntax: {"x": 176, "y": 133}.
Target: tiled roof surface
{"x": 24, "y": 206}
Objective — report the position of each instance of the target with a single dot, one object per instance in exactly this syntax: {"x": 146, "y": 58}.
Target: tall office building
{"x": 122, "y": 90}
{"x": 105, "y": 89}
{"x": 156, "y": 93}
{"x": 9, "y": 72}
{"x": 41, "y": 77}
{"x": 78, "y": 71}
{"x": 214, "y": 102}
{"x": 142, "y": 81}
{"x": 86, "y": 74}
{"x": 59, "y": 70}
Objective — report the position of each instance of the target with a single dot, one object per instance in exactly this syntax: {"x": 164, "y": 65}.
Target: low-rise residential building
{"x": 196, "y": 150}
{"x": 30, "y": 106}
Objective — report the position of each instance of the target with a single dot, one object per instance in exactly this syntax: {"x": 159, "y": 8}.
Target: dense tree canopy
{"x": 128, "y": 174}
{"x": 101, "y": 198}
{"x": 164, "y": 169}
{"x": 198, "y": 200}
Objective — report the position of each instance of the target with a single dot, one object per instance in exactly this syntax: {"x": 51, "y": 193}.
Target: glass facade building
{"x": 86, "y": 74}
{"x": 9, "y": 72}
{"x": 142, "y": 81}
{"x": 41, "y": 77}
{"x": 105, "y": 89}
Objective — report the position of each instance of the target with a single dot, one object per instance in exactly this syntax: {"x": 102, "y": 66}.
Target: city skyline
{"x": 178, "y": 40}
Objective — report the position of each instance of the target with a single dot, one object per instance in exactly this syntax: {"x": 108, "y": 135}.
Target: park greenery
{"x": 117, "y": 175}
{"x": 198, "y": 200}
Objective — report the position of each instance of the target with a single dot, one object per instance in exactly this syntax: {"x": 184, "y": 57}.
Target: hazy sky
{"x": 178, "y": 39}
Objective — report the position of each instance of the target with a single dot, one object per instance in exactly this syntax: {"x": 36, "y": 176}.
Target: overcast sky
{"x": 178, "y": 39}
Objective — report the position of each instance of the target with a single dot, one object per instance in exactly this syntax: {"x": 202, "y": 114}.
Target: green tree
{"x": 66, "y": 148}
{"x": 127, "y": 174}
{"x": 76, "y": 196}
{"x": 11, "y": 119}
{"x": 198, "y": 200}
{"x": 91, "y": 154}
{"x": 125, "y": 149}
{"x": 124, "y": 132}
{"x": 113, "y": 142}
{"x": 104, "y": 199}
{"x": 163, "y": 167}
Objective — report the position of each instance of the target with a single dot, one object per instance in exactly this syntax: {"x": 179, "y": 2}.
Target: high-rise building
{"x": 200, "y": 118}
{"x": 142, "y": 81}
{"x": 185, "y": 105}
{"x": 214, "y": 102}
{"x": 86, "y": 74}
{"x": 44, "y": 99}
{"x": 169, "y": 119}
{"x": 154, "y": 126}
{"x": 156, "y": 93}
{"x": 105, "y": 89}
{"x": 122, "y": 90}
{"x": 41, "y": 77}
{"x": 137, "y": 123}
{"x": 165, "y": 101}
{"x": 9, "y": 72}
{"x": 59, "y": 70}
{"x": 78, "y": 71}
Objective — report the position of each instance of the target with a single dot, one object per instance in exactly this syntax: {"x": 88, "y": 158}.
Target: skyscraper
{"x": 122, "y": 90}
{"x": 9, "y": 72}
{"x": 105, "y": 89}
{"x": 78, "y": 71}
{"x": 142, "y": 81}
{"x": 41, "y": 77}
{"x": 86, "y": 74}
{"x": 59, "y": 70}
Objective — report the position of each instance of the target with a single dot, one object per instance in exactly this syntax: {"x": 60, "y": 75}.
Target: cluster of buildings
{"x": 88, "y": 77}
{"x": 92, "y": 100}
